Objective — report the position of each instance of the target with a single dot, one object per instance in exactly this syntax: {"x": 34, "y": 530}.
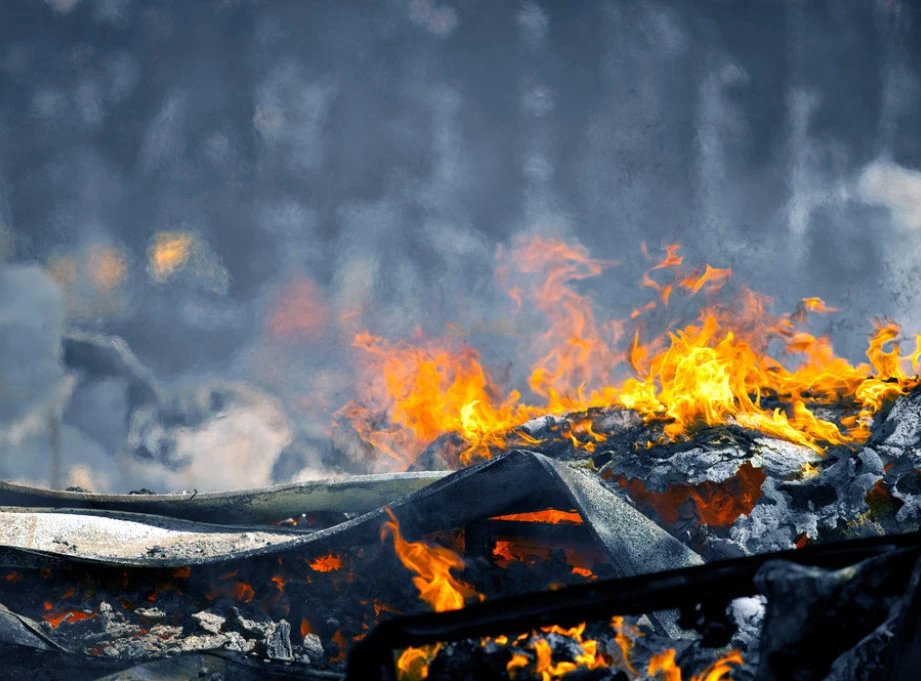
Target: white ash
{"x": 313, "y": 648}
{"x": 209, "y": 621}
{"x": 541, "y": 422}
{"x": 780, "y": 458}
{"x": 748, "y": 615}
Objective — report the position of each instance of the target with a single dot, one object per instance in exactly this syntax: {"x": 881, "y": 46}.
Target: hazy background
{"x": 335, "y": 166}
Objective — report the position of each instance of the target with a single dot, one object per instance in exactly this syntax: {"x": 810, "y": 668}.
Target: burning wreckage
{"x": 717, "y": 516}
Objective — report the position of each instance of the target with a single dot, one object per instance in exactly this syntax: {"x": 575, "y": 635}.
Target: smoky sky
{"x": 383, "y": 150}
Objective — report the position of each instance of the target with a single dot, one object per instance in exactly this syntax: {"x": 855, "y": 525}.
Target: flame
{"x": 428, "y": 390}
{"x": 413, "y": 663}
{"x": 432, "y": 565}
{"x": 714, "y": 370}
{"x": 574, "y": 351}
{"x": 532, "y": 652}
{"x": 664, "y": 663}
{"x": 169, "y": 254}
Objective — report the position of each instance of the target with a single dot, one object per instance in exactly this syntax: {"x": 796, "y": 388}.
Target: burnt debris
{"x": 676, "y": 541}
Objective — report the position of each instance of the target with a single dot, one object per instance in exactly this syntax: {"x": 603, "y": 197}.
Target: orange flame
{"x": 664, "y": 664}
{"x": 432, "y": 565}
{"x": 427, "y": 391}
{"x": 714, "y": 371}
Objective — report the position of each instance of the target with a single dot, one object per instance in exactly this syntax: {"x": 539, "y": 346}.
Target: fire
{"x": 427, "y": 390}
{"x": 664, "y": 665}
{"x": 169, "y": 254}
{"x": 432, "y": 566}
{"x": 413, "y": 663}
{"x": 715, "y": 370}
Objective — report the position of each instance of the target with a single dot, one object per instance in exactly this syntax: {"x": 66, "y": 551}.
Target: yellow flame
{"x": 715, "y": 370}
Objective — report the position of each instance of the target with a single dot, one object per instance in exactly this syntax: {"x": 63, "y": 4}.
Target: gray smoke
{"x": 360, "y": 162}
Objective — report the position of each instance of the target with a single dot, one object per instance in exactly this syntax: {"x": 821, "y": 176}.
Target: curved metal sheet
{"x": 517, "y": 480}
{"x": 353, "y": 494}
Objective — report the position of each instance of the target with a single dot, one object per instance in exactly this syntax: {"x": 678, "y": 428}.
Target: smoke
{"x": 237, "y": 187}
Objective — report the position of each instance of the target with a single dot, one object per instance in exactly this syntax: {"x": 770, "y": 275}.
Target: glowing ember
{"x": 551, "y": 516}
{"x": 432, "y": 566}
{"x": 664, "y": 664}
{"x": 719, "y": 504}
{"x": 56, "y": 619}
{"x": 328, "y": 563}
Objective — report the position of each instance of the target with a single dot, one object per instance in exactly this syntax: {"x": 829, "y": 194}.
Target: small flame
{"x": 432, "y": 566}
{"x": 664, "y": 664}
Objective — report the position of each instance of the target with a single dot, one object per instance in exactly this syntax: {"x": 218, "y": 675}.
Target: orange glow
{"x": 339, "y": 640}
{"x": 432, "y": 566}
{"x": 328, "y": 563}
{"x": 550, "y": 515}
{"x": 107, "y": 267}
{"x": 306, "y": 628}
{"x": 243, "y": 592}
{"x": 13, "y": 577}
{"x": 169, "y": 254}
{"x": 55, "y": 619}
{"x": 299, "y": 311}
{"x": 719, "y": 503}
